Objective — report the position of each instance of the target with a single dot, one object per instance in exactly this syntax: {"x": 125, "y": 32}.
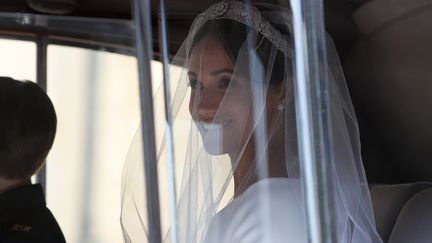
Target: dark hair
{"x": 232, "y": 35}
{"x": 27, "y": 128}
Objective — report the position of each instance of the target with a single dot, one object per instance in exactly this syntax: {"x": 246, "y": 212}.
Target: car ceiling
{"x": 180, "y": 15}
{"x": 394, "y": 112}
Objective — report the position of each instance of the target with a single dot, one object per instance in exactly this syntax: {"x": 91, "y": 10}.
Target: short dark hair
{"x": 27, "y": 128}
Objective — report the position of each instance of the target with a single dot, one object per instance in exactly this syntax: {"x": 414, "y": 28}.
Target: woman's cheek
{"x": 192, "y": 106}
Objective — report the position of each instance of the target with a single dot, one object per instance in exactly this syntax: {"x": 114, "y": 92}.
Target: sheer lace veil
{"x": 235, "y": 126}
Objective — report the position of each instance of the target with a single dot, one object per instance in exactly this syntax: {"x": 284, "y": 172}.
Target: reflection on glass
{"x": 235, "y": 119}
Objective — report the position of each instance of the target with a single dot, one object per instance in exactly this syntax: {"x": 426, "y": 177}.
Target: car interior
{"x": 386, "y": 52}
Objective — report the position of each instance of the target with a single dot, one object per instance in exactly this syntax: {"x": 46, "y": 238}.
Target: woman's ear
{"x": 283, "y": 93}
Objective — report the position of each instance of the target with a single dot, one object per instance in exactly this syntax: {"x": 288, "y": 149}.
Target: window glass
{"x": 18, "y": 59}
{"x": 96, "y": 97}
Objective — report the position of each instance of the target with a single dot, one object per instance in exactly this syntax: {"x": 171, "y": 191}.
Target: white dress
{"x": 242, "y": 220}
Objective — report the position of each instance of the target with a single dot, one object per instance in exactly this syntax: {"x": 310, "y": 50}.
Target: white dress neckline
{"x": 243, "y": 220}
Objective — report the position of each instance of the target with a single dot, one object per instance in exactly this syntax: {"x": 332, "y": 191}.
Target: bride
{"x": 238, "y": 173}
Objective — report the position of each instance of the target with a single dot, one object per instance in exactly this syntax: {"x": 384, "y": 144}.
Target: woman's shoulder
{"x": 269, "y": 208}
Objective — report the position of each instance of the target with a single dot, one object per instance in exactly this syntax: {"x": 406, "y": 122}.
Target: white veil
{"x": 235, "y": 139}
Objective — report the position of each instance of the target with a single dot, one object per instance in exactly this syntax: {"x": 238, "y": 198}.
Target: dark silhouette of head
{"x": 27, "y": 128}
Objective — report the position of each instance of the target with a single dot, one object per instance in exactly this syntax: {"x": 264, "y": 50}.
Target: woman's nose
{"x": 208, "y": 104}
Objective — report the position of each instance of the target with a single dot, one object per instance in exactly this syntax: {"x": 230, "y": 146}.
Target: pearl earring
{"x": 280, "y": 107}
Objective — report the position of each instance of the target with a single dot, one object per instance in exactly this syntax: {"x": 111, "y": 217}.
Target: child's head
{"x": 27, "y": 128}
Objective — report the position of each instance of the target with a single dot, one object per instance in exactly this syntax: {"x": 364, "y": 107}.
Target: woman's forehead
{"x": 208, "y": 55}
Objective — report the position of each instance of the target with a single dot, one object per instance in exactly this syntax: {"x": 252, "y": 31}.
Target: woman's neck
{"x": 246, "y": 174}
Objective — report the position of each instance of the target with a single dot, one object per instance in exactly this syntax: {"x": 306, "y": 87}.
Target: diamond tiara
{"x": 249, "y": 16}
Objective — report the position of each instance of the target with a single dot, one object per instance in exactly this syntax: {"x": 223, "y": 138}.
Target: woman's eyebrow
{"x": 214, "y": 73}
{"x": 223, "y": 70}
{"x": 191, "y": 73}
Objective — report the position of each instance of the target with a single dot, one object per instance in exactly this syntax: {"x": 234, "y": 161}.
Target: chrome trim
{"x": 163, "y": 37}
{"x": 111, "y": 34}
{"x": 41, "y": 80}
{"x": 144, "y": 51}
{"x": 311, "y": 96}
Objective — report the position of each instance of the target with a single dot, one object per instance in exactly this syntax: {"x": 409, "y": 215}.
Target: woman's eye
{"x": 224, "y": 83}
{"x": 193, "y": 83}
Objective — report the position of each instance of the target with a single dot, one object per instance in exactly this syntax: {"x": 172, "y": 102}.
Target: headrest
{"x": 414, "y": 223}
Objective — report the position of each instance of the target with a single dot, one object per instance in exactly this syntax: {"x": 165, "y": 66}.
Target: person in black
{"x": 27, "y": 130}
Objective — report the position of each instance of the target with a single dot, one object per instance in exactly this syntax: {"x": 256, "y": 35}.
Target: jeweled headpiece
{"x": 250, "y": 16}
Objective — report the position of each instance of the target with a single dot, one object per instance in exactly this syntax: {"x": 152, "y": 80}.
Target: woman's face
{"x": 221, "y": 101}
